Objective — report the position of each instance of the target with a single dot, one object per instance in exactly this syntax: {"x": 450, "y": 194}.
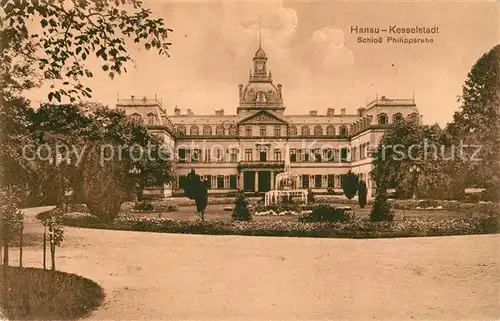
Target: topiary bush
{"x": 362, "y": 193}
{"x": 325, "y": 213}
{"x": 381, "y": 209}
{"x": 349, "y": 184}
{"x": 241, "y": 211}
{"x": 310, "y": 196}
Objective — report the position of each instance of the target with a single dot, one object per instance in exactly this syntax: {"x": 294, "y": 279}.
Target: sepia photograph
{"x": 249, "y": 160}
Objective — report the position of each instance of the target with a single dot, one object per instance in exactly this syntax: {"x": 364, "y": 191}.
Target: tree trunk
{"x": 45, "y": 247}
{"x": 5, "y": 253}
{"x": 21, "y": 246}
{"x": 53, "y": 252}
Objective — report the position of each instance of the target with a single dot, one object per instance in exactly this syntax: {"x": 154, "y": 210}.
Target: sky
{"x": 311, "y": 52}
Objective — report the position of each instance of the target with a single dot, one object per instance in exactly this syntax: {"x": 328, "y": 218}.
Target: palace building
{"x": 246, "y": 150}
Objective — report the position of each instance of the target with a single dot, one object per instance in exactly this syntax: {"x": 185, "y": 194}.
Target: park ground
{"x": 201, "y": 277}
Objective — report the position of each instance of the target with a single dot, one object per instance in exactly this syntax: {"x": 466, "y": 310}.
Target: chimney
{"x": 361, "y": 112}
{"x": 383, "y": 98}
{"x": 313, "y": 113}
{"x": 189, "y": 112}
{"x": 132, "y": 97}
{"x": 144, "y": 99}
{"x": 219, "y": 112}
{"x": 342, "y": 111}
{"x": 279, "y": 91}
{"x": 330, "y": 112}
{"x": 177, "y": 111}
{"x": 241, "y": 91}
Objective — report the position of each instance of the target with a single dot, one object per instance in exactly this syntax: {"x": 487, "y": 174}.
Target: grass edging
{"x": 45, "y": 295}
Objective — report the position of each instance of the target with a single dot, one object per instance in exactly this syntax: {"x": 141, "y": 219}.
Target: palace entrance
{"x": 264, "y": 181}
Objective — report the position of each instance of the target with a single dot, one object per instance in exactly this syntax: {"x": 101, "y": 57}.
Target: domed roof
{"x": 261, "y": 91}
{"x": 260, "y": 53}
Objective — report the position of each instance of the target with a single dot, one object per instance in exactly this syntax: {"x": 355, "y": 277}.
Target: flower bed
{"x": 352, "y": 228}
{"x": 443, "y": 204}
{"x": 161, "y": 205}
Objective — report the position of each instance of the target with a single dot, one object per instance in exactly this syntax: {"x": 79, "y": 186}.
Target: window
{"x": 136, "y": 118}
{"x": 343, "y": 155}
{"x": 413, "y": 116}
{"x": 317, "y": 181}
{"x": 226, "y": 181}
{"x": 318, "y": 130}
{"x": 277, "y": 154}
{"x": 248, "y": 131}
{"x": 232, "y": 130}
{"x": 219, "y": 155}
{"x": 382, "y": 119}
{"x": 234, "y": 155}
{"x": 151, "y": 119}
{"x": 293, "y": 155}
{"x": 262, "y": 130}
{"x": 208, "y": 155}
{"x": 277, "y": 131}
{"x": 343, "y": 131}
{"x": 194, "y": 130}
{"x": 248, "y": 155}
{"x": 196, "y": 155}
{"x": 181, "y": 155}
{"x": 397, "y": 117}
{"x": 317, "y": 155}
{"x": 328, "y": 155}
{"x": 181, "y": 130}
{"x": 304, "y": 155}
{"x": 220, "y": 181}
{"x": 207, "y": 130}
{"x": 305, "y": 181}
{"x": 262, "y": 155}
{"x": 330, "y": 130}
{"x": 292, "y": 131}
{"x": 208, "y": 181}
{"x": 232, "y": 182}
{"x": 354, "y": 154}
{"x": 305, "y": 131}
{"x": 214, "y": 181}
{"x": 331, "y": 181}
{"x": 188, "y": 155}
{"x": 219, "y": 130}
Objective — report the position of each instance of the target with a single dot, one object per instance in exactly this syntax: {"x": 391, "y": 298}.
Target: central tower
{"x": 260, "y": 92}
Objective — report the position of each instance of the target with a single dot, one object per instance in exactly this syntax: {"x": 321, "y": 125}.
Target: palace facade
{"x": 247, "y": 149}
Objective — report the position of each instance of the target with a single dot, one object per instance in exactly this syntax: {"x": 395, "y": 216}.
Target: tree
{"x": 195, "y": 188}
{"x": 362, "y": 193}
{"x": 11, "y": 221}
{"x": 55, "y": 225}
{"x": 381, "y": 210}
{"x": 478, "y": 122}
{"x": 349, "y": 183}
{"x": 72, "y": 31}
{"x": 241, "y": 211}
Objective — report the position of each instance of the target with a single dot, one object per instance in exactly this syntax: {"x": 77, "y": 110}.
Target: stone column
{"x": 272, "y": 181}
{"x": 240, "y": 182}
{"x": 256, "y": 187}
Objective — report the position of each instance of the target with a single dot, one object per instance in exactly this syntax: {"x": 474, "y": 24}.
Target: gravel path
{"x": 149, "y": 276}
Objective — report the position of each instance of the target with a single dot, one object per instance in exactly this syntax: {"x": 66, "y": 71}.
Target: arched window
{"x": 181, "y": 130}
{"x": 305, "y": 131}
{"x": 152, "y": 119}
{"x": 397, "y": 117}
{"x": 207, "y": 130}
{"x": 343, "y": 131}
{"x": 318, "y": 130}
{"x": 136, "y": 118}
{"x": 382, "y": 119}
{"x": 292, "y": 130}
{"x": 233, "y": 130}
{"x": 330, "y": 130}
{"x": 219, "y": 130}
{"x": 194, "y": 130}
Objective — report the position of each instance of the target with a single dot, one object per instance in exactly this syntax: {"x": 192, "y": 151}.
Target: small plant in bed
{"x": 326, "y": 213}
{"x": 143, "y": 207}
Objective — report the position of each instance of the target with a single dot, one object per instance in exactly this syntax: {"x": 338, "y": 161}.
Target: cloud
{"x": 329, "y": 48}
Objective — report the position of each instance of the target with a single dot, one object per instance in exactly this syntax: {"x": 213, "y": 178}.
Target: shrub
{"x": 81, "y": 208}
{"x": 381, "y": 210}
{"x": 310, "y": 196}
{"x": 362, "y": 193}
{"x": 79, "y": 218}
{"x": 36, "y": 294}
{"x": 196, "y": 189}
{"x": 241, "y": 211}
{"x": 325, "y": 213}
{"x": 349, "y": 184}
{"x": 143, "y": 207}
